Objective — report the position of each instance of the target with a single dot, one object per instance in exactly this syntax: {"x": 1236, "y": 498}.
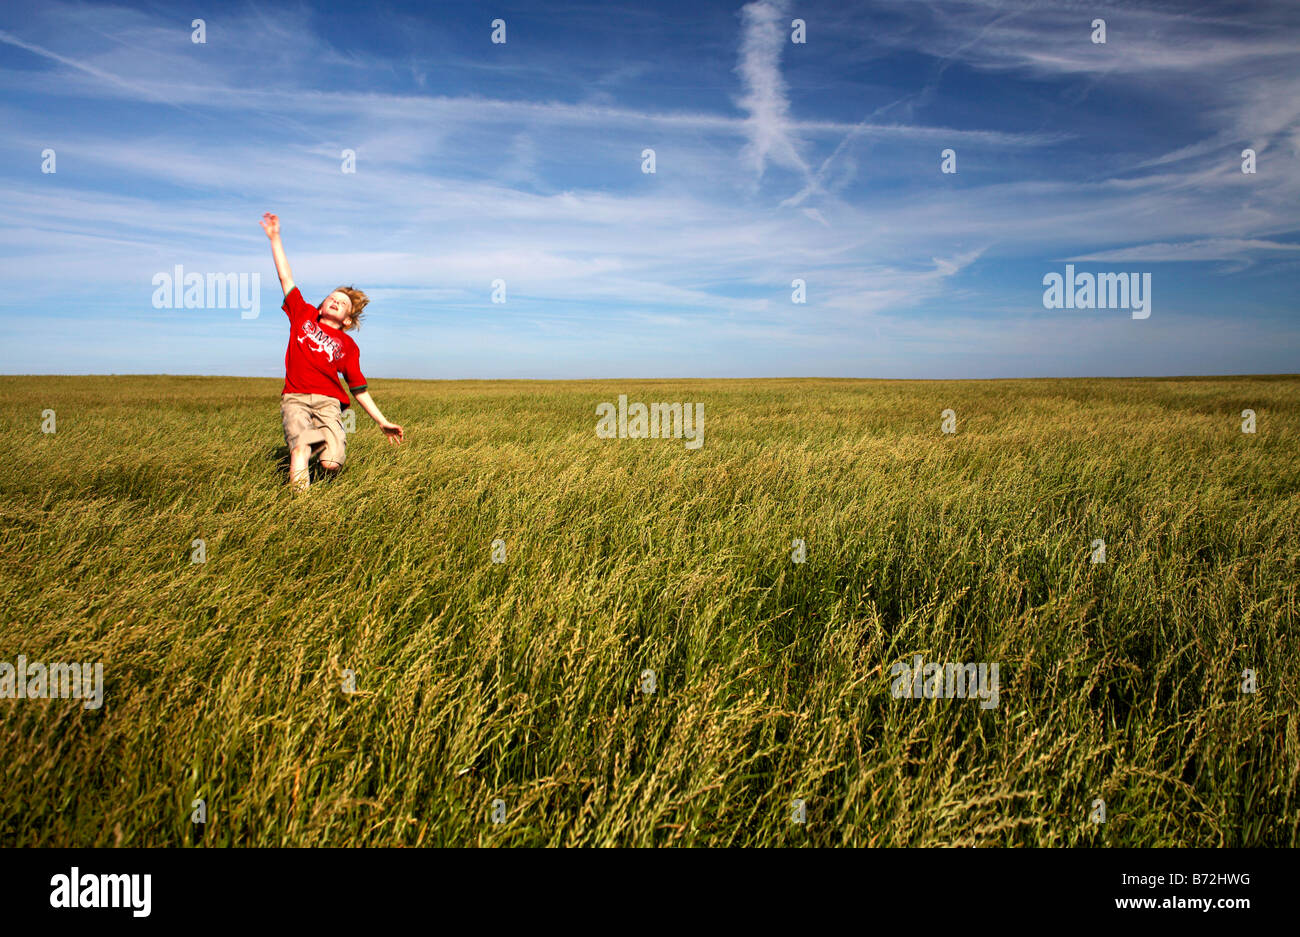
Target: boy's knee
{"x": 329, "y": 466}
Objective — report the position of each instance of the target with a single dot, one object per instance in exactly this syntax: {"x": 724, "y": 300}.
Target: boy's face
{"x": 337, "y": 310}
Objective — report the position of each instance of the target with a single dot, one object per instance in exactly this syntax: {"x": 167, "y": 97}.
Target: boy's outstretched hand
{"x": 394, "y": 432}
{"x": 271, "y": 223}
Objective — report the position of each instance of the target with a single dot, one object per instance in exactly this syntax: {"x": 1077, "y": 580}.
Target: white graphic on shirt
{"x": 319, "y": 341}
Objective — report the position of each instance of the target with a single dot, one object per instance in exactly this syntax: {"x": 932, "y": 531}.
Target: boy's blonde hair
{"x": 359, "y": 302}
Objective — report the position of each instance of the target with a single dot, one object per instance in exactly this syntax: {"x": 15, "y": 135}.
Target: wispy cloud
{"x": 1208, "y": 249}
{"x": 764, "y": 36}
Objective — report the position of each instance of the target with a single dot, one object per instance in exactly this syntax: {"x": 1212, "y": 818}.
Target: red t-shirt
{"x": 317, "y": 353}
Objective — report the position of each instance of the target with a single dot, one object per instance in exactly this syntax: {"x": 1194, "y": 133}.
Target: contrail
{"x": 763, "y": 36}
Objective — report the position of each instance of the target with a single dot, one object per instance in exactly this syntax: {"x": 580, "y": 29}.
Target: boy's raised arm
{"x": 271, "y": 224}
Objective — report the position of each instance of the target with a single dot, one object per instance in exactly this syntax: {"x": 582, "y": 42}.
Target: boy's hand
{"x": 393, "y": 432}
{"x": 271, "y": 223}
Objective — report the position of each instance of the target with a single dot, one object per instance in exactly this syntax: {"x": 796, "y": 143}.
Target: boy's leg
{"x": 300, "y": 435}
{"x": 334, "y": 449}
{"x": 299, "y": 477}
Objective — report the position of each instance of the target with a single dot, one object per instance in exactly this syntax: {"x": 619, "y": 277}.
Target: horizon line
{"x": 561, "y": 380}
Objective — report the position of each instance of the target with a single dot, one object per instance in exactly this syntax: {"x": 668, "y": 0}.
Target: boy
{"x": 313, "y": 400}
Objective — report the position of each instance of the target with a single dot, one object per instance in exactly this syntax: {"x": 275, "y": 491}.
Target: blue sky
{"x": 775, "y": 160}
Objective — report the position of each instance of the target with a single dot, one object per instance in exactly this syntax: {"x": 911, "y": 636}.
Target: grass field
{"x": 523, "y": 681}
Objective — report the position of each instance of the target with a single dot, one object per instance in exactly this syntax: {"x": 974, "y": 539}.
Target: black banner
{"x": 337, "y": 886}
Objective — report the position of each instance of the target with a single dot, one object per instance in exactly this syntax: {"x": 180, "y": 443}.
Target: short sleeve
{"x": 294, "y": 305}
{"x": 352, "y": 369}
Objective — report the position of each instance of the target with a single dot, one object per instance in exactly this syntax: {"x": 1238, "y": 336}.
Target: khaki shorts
{"x": 314, "y": 420}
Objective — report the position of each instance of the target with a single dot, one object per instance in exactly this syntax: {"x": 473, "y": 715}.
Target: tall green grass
{"x": 521, "y": 681}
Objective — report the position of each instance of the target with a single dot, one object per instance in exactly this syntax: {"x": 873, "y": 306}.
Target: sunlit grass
{"x": 521, "y": 681}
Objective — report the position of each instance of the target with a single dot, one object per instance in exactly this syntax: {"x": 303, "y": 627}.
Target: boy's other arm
{"x": 391, "y": 430}
{"x": 271, "y": 224}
